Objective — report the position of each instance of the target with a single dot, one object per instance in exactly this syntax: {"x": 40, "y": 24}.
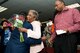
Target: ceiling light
{"x": 2, "y": 9}
{"x": 73, "y": 5}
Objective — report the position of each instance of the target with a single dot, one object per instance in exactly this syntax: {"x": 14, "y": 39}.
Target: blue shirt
{"x": 7, "y": 36}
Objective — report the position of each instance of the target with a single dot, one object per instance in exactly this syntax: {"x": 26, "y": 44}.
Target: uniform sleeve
{"x": 36, "y": 32}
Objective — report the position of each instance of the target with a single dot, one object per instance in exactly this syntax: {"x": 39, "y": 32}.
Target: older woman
{"x": 36, "y": 32}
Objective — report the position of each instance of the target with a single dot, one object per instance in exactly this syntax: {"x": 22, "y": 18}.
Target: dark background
{"x": 44, "y": 7}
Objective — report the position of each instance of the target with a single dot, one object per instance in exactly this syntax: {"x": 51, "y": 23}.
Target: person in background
{"x": 5, "y": 33}
{"x": 36, "y": 32}
{"x": 47, "y": 32}
{"x": 49, "y": 29}
{"x": 67, "y": 23}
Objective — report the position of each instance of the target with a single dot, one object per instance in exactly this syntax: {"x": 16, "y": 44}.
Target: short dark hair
{"x": 15, "y": 15}
{"x": 4, "y": 21}
{"x": 23, "y": 13}
{"x": 61, "y": 1}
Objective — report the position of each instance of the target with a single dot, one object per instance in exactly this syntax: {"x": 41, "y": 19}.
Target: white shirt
{"x": 35, "y": 33}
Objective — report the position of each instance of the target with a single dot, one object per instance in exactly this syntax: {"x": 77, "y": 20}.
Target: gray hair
{"x": 35, "y": 13}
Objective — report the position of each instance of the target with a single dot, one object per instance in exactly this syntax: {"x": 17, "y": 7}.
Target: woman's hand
{"x": 22, "y": 29}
